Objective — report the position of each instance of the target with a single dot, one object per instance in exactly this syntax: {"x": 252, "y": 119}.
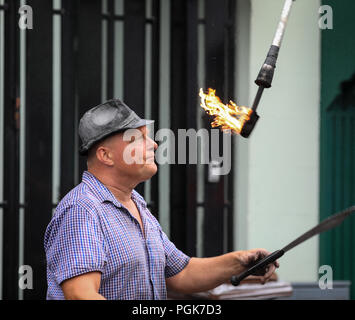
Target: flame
{"x": 227, "y": 116}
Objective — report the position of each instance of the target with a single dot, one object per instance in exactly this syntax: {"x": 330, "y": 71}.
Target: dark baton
{"x": 325, "y": 225}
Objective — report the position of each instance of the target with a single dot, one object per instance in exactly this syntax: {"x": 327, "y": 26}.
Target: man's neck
{"x": 122, "y": 189}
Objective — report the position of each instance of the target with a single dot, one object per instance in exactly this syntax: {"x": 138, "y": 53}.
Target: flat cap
{"x": 105, "y": 119}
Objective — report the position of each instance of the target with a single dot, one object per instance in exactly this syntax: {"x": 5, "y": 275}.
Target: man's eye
{"x": 134, "y": 138}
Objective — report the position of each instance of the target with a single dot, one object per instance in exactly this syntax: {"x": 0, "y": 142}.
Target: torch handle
{"x": 266, "y": 73}
{"x": 257, "y": 267}
{"x": 257, "y": 98}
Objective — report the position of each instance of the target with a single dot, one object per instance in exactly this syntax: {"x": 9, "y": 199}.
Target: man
{"x": 103, "y": 243}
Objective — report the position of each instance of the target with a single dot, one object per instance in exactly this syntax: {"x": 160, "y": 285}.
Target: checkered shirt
{"x": 92, "y": 231}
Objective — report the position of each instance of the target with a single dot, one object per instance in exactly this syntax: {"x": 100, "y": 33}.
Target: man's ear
{"x": 105, "y": 156}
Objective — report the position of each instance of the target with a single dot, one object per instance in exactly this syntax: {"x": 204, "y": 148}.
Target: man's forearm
{"x": 203, "y": 274}
{"x": 84, "y": 296}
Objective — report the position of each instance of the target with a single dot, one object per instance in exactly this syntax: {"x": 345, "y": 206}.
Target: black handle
{"x": 257, "y": 267}
{"x": 266, "y": 73}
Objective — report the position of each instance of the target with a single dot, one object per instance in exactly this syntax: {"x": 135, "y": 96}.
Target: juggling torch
{"x": 266, "y": 73}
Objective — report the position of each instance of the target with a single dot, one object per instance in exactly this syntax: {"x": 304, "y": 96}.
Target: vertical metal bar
{"x": 118, "y": 66}
{"x": 155, "y": 86}
{"x": 104, "y": 26}
{"x": 2, "y": 53}
{"x": 148, "y": 82}
{"x": 178, "y": 95}
{"x": 89, "y": 61}
{"x": 22, "y": 151}
{"x": 200, "y": 113}
{"x": 57, "y": 103}
{"x": 134, "y": 49}
{"x": 183, "y": 93}
{"x": 148, "y": 59}
{"x": 68, "y": 151}
{"x": 164, "y": 111}
{"x": 11, "y": 161}
{"x": 110, "y": 51}
{"x": 191, "y": 121}
{"x": 38, "y": 143}
{"x": 230, "y": 67}
{"x": 79, "y": 164}
{"x": 216, "y": 18}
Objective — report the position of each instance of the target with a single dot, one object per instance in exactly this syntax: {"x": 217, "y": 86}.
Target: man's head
{"x": 116, "y": 142}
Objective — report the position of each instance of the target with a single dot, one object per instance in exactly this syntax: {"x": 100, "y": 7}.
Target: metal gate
{"x": 154, "y": 54}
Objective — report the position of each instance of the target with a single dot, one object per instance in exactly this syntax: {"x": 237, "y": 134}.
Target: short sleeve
{"x": 176, "y": 260}
{"x": 76, "y": 244}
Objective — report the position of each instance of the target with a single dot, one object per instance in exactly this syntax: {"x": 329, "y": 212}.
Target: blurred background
{"x": 297, "y": 167}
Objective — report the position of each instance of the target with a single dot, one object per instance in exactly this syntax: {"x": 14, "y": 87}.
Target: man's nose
{"x": 151, "y": 141}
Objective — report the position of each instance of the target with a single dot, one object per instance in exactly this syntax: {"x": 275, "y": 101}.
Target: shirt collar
{"x": 104, "y": 194}
{"x": 138, "y": 198}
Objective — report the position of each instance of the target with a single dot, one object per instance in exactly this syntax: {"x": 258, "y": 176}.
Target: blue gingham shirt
{"x": 92, "y": 231}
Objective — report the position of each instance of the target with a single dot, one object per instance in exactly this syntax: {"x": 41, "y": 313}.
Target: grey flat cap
{"x": 105, "y": 119}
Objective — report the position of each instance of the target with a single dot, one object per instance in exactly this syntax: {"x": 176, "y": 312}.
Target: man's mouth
{"x": 150, "y": 159}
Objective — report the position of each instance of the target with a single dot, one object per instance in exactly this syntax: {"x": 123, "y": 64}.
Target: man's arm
{"x": 83, "y": 287}
{"x": 203, "y": 274}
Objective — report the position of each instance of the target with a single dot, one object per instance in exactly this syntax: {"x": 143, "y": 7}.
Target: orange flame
{"x": 227, "y": 116}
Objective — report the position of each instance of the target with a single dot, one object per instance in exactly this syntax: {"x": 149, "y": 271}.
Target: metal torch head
{"x": 249, "y": 125}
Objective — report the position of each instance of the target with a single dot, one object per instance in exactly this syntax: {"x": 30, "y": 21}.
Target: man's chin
{"x": 149, "y": 171}
{"x": 153, "y": 168}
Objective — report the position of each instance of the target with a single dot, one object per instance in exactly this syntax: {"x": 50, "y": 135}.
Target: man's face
{"x": 133, "y": 154}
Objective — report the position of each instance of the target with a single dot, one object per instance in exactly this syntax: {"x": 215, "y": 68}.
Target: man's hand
{"x": 246, "y": 259}
{"x": 203, "y": 274}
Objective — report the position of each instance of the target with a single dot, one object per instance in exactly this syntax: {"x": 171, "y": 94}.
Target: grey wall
{"x": 277, "y": 185}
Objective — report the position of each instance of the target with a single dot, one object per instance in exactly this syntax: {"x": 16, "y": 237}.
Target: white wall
{"x": 277, "y": 167}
